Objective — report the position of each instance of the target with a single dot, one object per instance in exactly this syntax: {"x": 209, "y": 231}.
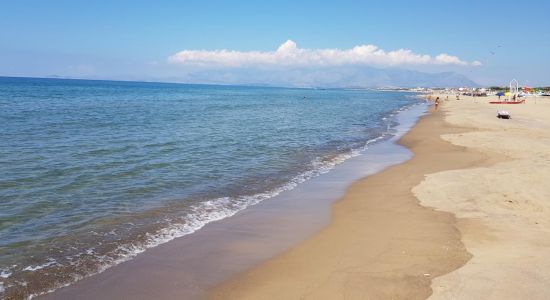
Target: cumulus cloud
{"x": 288, "y": 54}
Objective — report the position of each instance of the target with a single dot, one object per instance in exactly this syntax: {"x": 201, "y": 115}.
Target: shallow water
{"x": 94, "y": 172}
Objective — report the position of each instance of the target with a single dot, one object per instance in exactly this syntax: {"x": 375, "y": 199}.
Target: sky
{"x": 490, "y": 42}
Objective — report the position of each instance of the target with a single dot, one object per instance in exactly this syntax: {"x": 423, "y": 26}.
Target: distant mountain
{"x": 327, "y": 77}
{"x": 408, "y": 78}
{"x": 331, "y": 77}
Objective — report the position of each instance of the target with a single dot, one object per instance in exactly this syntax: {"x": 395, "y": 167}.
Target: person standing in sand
{"x": 436, "y": 103}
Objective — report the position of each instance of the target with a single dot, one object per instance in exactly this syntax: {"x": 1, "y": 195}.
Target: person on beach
{"x": 436, "y": 103}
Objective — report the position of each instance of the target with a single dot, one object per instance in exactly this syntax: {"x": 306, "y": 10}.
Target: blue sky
{"x": 135, "y": 40}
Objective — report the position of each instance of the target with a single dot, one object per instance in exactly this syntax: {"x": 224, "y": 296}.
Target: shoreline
{"x": 227, "y": 247}
{"x": 380, "y": 243}
{"x": 467, "y": 217}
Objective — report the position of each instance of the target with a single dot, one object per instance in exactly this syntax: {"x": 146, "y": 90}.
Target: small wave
{"x": 161, "y": 145}
{"x": 5, "y": 274}
{"x": 104, "y": 151}
{"x": 42, "y": 266}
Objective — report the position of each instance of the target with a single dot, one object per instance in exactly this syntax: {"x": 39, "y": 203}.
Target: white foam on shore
{"x": 50, "y": 262}
{"x": 5, "y": 273}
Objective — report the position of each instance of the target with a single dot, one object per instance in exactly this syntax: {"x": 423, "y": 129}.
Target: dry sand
{"x": 382, "y": 244}
{"x": 503, "y": 209}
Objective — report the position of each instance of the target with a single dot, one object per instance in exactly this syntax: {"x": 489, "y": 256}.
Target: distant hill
{"x": 407, "y": 78}
{"x": 333, "y": 77}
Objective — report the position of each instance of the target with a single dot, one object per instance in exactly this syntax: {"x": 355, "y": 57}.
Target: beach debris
{"x": 503, "y": 114}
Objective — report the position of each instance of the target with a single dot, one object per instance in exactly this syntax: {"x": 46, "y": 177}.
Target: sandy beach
{"x": 502, "y": 209}
{"x": 466, "y": 218}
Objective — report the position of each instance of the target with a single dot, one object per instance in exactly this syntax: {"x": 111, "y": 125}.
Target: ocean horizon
{"x": 199, "y": 84}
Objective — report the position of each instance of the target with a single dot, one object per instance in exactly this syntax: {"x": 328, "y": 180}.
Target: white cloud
{"x": 288, "y": 54}
{"x": 446, "y": 59}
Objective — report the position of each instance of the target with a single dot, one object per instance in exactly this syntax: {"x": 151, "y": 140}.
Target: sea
{"x": 92, "y": 173}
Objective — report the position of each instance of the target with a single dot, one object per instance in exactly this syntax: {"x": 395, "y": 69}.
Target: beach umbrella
{"x": 507, "y": 94}
{"x": 500, "y": 94}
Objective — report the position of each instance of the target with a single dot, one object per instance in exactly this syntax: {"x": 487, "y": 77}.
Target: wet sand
{"x": 381, "y": 243}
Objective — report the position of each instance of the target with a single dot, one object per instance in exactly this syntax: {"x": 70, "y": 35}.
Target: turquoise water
{"x": 94, "y": 172}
